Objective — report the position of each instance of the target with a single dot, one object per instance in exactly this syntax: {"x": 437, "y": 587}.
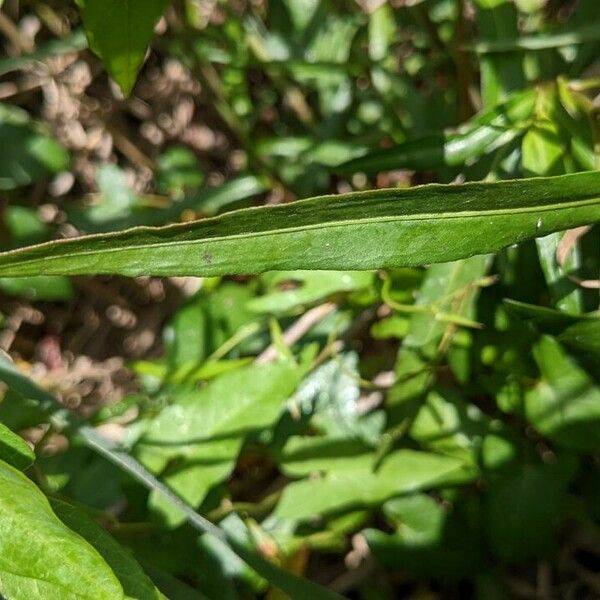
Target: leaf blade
{"x": 119, "y": 34}
{"x": 14, "y": 450}
{"x": 40, "y": 558}
{"x": 427, "y": 224}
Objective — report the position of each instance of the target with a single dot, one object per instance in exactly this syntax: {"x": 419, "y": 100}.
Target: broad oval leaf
{"x": 363, "y": 230}
{"x": 41, "y": 558}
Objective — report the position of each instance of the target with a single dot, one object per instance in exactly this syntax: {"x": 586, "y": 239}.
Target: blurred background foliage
{"x": 415, "y": 433}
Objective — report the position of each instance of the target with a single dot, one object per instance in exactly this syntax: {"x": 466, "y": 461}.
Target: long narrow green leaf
{"x": 365, "y": 230}
{"x": 582, "y": 35}
{"x": 501, "y": 75}
{"x": 478, "y": 136}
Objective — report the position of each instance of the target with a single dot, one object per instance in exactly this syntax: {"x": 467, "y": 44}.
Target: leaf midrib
{"x": 481, "y": 213}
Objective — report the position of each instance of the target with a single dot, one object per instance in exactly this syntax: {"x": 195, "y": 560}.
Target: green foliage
{"x": 134, "y": 581}
{"x": 392, "y": 392}
{"x": 27, "y": 152}
{"x": 40, "y": 557}
{"x": 226, "y": 411}
{"x": 14, "y": 450}
{"x": 119, "y": 33}
{"x": 429, "y": 224}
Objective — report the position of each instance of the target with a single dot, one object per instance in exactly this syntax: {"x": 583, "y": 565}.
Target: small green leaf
{"x": 428, "y": 541}
{"x": 500, "y": 74}
{"x": 479, "y": 136}
{"x": 306, "y": 287}
{"x": 357, "y": 484}
{"x": 583, "y": 336}
{"x": 14, "y": 449}
{"x": 517, "y": 43}
{"x": 119, "y": 32}
{"x": 565, "y": 403}
{"x": 49, "y": 288}
{"x": 447, "y": 424}
{"x": 547, "y": 320}
{"x": 27, "y": 152}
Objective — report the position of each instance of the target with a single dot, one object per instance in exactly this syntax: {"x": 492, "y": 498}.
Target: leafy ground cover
{"x": 299, "y": 299}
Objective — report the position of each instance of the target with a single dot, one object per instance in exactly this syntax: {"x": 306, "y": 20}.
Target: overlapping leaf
{"x": 41, "y": 558}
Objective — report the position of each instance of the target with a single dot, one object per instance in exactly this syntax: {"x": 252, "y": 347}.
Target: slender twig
{"x": 12, "y": 33}
{"x": 302, "y": 326}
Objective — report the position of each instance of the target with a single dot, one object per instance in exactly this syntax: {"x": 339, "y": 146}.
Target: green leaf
{"x": 580, "y": 35}
{"x": 41, "y": 558}
{"x": 117, "y": 198}
{"x": 523, "y": 509}
{"x": 205, "y": 323}
{"x": 580, "y": 333}
{"x": 48, "y": 288}
{"x": 433, "y": 223}
{"x": 307, "y": 455}
{"x": 288, "y": 582}
{"x": 135, "y": 582}
{"x": 448, "y": 288}
{"x": 547, "y": 320}
{"x": 565, "y": 404}
{"x": 307, "y": 287}
{"x": 396, "y": 326}
{"x": 583, "y": 336}
{"x": 357, "y": 484}
{"x": 207, "y": 202}
{"x": 177, "y": 170}
{"x": 206, "y": 428}
{"x": 428, "y": 541}
{"x": 479, "y": 136}
{"x": 119, "y": 33}
{"x": 14, "y": 449}
{"x": 27, "y": 152}
{"x": 24, "y": 226}
{"x": 447, "y": 424}
{"x": 500, "y": 74}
